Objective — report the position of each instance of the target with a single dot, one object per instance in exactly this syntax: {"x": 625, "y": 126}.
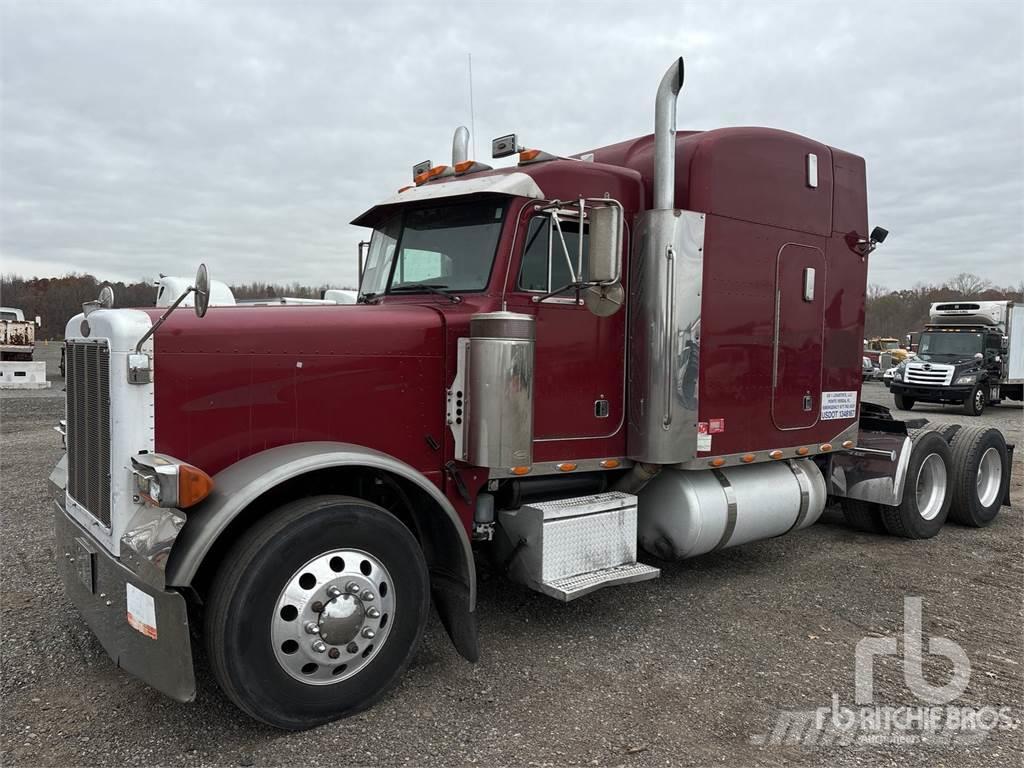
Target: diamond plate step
{"x": 572, "y": 587}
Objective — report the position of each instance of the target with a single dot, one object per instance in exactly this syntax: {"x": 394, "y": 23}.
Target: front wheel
{"x": 903, "y": 402}
{"x": 316, "y": 611}
{"x": 975, "y": 404}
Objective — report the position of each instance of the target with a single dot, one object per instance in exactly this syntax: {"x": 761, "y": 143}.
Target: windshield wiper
{"x": 431, "y": 288}
{"x": 366, "y": 298}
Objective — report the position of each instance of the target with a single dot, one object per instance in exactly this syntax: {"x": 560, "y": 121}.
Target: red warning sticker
{"x": 715, "y": 426}
{"x": 702, "y": 428}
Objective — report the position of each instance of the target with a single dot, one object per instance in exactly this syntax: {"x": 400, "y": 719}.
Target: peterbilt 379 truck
{"x": 971, "y": 354}
{"x": 652, "y": 345}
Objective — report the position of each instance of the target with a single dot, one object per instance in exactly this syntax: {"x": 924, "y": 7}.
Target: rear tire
{"x": 862, "y": 515}
{"x": 975, "y": 404}
{"x": 981, "y": 474}
{"x": 927, "y": 491}
{"x": 903, "y": 402}
{"x": 264, "y": 594}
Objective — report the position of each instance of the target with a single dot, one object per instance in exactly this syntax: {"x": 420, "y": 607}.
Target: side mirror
{"x": 979, "y": 356}
{"x": 1004, "y": 344}
{"x": 39, "y": 321}
{"x": 604, "y": 254}
{"x": 361, "y": 250}
{"x": 202, "y": 289}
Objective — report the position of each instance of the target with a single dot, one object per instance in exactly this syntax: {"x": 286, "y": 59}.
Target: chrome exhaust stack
{"x": 665, "y": 136}
{"x": 460, "y": 145}
{"x": 666, "y": 272}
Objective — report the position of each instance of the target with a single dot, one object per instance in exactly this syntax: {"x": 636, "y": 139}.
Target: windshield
{"x": 449, "y": 246}
{"x": 950, "y": 345}
{"x": 9, "y": 316}
{"x": 890, "y": 344}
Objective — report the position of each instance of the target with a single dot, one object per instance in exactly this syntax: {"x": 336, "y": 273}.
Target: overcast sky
{"x": 145, "y": 137}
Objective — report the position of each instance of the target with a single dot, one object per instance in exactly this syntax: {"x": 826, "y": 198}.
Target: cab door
{"x": 579, "y": 363}
{"x": 797, "y": 338}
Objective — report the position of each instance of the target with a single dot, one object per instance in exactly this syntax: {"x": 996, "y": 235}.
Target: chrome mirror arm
{"x": 164, "y": 316}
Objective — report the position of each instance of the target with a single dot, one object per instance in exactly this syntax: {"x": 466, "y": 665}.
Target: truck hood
{"x": 336, "y": 330}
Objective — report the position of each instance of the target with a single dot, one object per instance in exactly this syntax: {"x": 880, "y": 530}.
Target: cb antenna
{"x": 472, "y": 123}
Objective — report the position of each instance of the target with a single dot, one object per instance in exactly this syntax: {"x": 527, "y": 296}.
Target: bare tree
{"x": 967, "y": 284}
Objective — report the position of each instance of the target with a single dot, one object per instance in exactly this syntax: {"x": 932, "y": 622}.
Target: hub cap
{"x": 990, "y": 477}
{"x": 333, "y": 616}
{"x": 979, "y": 400}
{"x": 931, "y": 486}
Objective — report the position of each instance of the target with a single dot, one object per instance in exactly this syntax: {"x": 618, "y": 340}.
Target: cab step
{"x": 571, "y": 547}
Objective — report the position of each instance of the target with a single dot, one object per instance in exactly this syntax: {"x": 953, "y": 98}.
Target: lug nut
{"x": 319, "y": 646}
{"x": 368, "y": 595}
{"x": 333, "y": 591}
{"x": 368, "y": 633}
{"x": 312, "y": 627}
{"x": 373, "y": 613}
{"x": 317, "y": 607}
{"x": 352, "y": 648}
{"x": 353, "y": 587}
{"x": 334, "y": 653}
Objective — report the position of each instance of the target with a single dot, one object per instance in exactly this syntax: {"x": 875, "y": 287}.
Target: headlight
{"x": 897, "y": 375}
{"x": 969, "y": 379}
{"x": 164, "y": 481}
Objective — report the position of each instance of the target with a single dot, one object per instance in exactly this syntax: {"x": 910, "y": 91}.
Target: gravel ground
{"x": 692, "y": 669}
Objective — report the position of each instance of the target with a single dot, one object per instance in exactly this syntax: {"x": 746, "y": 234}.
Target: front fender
{"x": 238, "y": 486}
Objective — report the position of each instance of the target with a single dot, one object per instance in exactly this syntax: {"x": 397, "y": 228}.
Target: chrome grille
{"x": 929, "y": 373}
{"x": 87, "y": 366}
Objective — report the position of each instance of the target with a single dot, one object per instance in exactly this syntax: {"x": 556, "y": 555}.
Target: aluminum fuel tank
{"x": 684, "y": 513}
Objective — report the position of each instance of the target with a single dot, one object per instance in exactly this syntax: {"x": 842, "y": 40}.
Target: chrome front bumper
{"x": 144, "y": 629}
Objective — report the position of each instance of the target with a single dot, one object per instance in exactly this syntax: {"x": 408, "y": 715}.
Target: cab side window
{"x": 535, "y": 273}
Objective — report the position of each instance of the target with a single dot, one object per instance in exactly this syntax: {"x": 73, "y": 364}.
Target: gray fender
{"x": 238, "y": 486}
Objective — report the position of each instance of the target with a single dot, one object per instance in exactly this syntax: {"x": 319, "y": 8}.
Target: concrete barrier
{"x": 14, "y": 375}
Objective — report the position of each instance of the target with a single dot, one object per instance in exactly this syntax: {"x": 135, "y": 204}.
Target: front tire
{"x": 903, "y": 402}
{"x": 981, "y": 474}
{"x": 926, "y": 489}
{"x": 290, "y": 628}
{"x": 975, "y": 404}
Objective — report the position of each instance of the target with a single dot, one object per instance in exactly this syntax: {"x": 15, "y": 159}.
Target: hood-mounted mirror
{"x": 105, "y": 301}
{"x": 202, "y": 291}
{"x": 140, "y": 367}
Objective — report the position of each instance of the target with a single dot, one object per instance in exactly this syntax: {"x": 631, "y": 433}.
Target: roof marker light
{"x": 825, "y": 447}
{"x": 801, "y": 451}
{"x": 848, "y": 444}
{"x": 776, "y": 454}
{"x": 470, "y": 166}
{"x": 747, "y": 458}
{"x": 717, "y": 462}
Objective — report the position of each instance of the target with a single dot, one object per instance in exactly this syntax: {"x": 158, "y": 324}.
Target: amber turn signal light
{"x": 610, "y": 463}
{"x": 194, "y": 485}
{"x": 717, "y": 462}
{"x": 825, "y": 447}
{"x": 566, "y": 467}
{"x": 520, "y": 470}
{"x": 848, "y": 444}
{"x": 776, "y": 454}
{"x": 801, "y": 451}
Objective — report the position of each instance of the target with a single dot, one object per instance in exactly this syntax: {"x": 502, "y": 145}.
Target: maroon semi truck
{"x": 653, "y": 345}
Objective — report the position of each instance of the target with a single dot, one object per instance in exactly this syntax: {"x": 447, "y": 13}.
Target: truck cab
{"x": 963, "y": 357}
{"x": 650, "y": 345}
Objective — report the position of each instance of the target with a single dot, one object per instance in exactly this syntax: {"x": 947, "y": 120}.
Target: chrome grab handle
{"x": 670, "y": 300}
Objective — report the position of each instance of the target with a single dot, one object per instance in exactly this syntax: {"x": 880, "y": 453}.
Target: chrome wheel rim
{"x": 931, "y": 486}
{"x": 979, "y": 400}
{"x": 990, "y": 477}
{"x": 333, "y": 616}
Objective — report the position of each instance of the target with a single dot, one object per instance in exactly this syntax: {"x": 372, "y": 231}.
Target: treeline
{"x": 897, "y": 313}
{"x": 57, "y": 299}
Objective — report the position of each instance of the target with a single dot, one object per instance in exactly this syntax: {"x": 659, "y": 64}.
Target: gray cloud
{"x": 138, "y": 138}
